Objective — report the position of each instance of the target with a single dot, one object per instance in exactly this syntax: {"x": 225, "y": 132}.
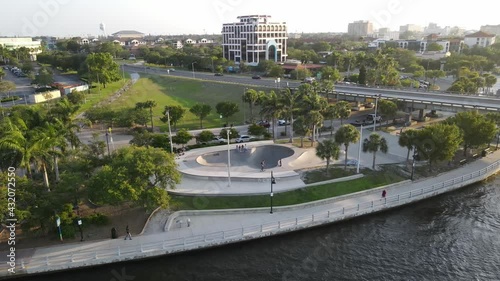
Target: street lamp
{"x": 273, "y": 181}
{"x": 243, "y": 105}
{"x": 192, "y": 67}
{"x": 169, "y": 132}
{"x": 359, "y": 150}
{"x": 498, "y": 139}
{"x": 107, "y": 140}
{"x": 228, "y": 160}
{"x": 413, "y": 163}
{"x": 375, "y": 116}
{"x": 79, "y": 220}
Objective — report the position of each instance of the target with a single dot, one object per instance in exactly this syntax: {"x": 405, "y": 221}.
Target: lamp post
{"x": 359, "y": 150}
{"x": 79, "y": 220}
{"x": 107, "y": 142}
{"x": 375, "y": 116}
{"x": 243, "y": 106}
{"x": 228, "y": 160}
{"x": 58, "y": 223}
{"x": 498, "y": 139}
{"x": 273, "y": 181}
{"x": 192, "y": 67}
{"x": 413, "y": 163}
{"x": 169, "y": 131}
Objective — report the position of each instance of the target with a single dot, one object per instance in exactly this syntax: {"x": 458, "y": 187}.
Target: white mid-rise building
{"x": 480, "y": 39}
{"x": 253, "y": 39}
{"x": 12, "y": 43}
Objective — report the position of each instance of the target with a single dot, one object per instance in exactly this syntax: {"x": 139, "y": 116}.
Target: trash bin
{"x": 113, "y": 233}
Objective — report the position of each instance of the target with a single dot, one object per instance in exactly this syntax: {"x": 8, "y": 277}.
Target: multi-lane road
{"x": 439, "y": 100}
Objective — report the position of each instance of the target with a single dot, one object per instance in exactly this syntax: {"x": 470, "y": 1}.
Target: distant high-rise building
{"x": 433, "y": 28}
{"x": 386, "y": 34}
{"x": 410, "y": 28}
{"x": 253, "y": 39}
{"x": 491, "y": 29}
{"x": 360, "y": 28}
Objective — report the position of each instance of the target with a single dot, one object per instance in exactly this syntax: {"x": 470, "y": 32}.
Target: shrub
{"x": 97, "y": 219}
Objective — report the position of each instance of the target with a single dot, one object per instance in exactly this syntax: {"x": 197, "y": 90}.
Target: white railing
{"x": 248, "y": 232}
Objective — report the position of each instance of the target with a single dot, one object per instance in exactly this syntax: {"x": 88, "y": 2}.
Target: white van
{"x": 371, "y": 117}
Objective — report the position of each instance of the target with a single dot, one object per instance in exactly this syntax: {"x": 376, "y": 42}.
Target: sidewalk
{"x": 212, "y": 228}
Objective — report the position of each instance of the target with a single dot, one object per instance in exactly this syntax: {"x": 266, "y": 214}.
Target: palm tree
{"x": 301, "y": 128}
{"x": 343, "y": 110}
{"x": 55, "y": 136}
{"x": 346, "y": 135}
{"x": 330, "y": 112}
{"x": 373, "y": 144}
{"x": 289, "y": 100}
{"x": 251, "y": 97}
{"x": 271, "y": 107}
{"x": 313, "y": 119}
{"x": 408, "y": 139}
{"x": 328, "y": 150}
{"x": 312, "y": 102}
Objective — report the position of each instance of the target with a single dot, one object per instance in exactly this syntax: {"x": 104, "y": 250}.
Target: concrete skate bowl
{"x": 252, "y": 158}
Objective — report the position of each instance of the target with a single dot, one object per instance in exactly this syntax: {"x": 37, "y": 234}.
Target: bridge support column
{"x": 421, "y": 116}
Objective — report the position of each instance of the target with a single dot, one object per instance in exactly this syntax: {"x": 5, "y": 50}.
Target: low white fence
{"x": 113, "y": 254}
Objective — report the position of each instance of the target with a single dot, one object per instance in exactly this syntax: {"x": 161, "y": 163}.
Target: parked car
{"x": 264, "y": 124}
{"x": 352, "y": 162}
{"x": 256, "y": 77}
{"x": 243, "y": 138}
{"x": 219, "y": 74}
{"x": 282, "y": 122}
{"x": 217, "y": 140}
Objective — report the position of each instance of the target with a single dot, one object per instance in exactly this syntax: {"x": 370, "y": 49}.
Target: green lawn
{"x": 98, "y": 94}
{"x": 185, "y": 92}
{"x": 309, "y": 194}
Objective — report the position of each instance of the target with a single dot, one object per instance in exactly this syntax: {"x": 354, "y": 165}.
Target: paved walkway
{"x": 200, "y": 224}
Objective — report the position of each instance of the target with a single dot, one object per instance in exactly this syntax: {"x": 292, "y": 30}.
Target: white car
{"x": 218, "y": 140}
{"x": 283, "y": 122}
{"x": 352, "y": 162}
{"x": 243, "y": 138}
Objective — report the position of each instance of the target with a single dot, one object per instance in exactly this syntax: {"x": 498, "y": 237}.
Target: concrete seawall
{"x": 286, "y": 219}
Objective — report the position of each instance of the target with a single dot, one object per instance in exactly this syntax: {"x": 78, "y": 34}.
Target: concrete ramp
{"x": 253, "y": 157}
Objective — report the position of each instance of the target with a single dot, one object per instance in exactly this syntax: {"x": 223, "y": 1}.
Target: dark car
{"x": 256, "y": 77}
{"x": 264, "y": 124}
{"x": 219, "y": 74}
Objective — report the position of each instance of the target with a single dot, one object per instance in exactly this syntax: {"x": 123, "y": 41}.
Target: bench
{"x": 463, "y": 161}
{"x": 487, "y": 150}
{"x": 475, "y": 155}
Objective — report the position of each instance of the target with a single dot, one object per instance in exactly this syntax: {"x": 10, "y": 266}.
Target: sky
{"x": 67, "y": 18}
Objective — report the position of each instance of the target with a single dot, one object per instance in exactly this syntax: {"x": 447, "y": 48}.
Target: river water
{"x": 455, "y": 236}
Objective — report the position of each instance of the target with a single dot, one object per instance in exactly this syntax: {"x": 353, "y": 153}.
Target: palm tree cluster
{"x": 33, "y": 138}
{"x": 306, "y": 108}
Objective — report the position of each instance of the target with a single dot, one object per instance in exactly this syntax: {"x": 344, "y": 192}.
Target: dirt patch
{"x": 119, "y": 217}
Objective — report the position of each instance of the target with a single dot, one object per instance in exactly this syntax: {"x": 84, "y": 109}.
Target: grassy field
{"x": 97, "y": 95}
{"x": 186, "y": 93}
{"x": 309, "y": 194}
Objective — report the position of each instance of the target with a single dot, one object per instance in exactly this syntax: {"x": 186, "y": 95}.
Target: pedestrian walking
{"x": 189, "y": 222}
{"x": 128, "y": 234}
{"x": 262, "y": 166}
{"x": 279, "y": 163}
{"x": 384, "y": 193}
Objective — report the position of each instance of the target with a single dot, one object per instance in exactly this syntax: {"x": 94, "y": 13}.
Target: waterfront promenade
{"x": 214, "y": 228}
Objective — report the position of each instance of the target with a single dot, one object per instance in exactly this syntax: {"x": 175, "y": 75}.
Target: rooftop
{"x": 480, "y": 34}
